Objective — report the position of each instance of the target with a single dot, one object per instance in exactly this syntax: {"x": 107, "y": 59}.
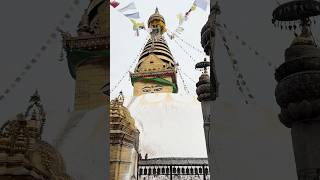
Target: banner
{"x": 130, "y": 6}
{"x": 133, "y": 15}
{"x": 114, "y": 4}
{"x": 201, "y": 4}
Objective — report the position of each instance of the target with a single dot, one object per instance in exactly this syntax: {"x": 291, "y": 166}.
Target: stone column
{"x": 298, "y": 95}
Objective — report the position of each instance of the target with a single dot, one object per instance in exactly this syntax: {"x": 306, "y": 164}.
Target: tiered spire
{"x": 156, "y": 67}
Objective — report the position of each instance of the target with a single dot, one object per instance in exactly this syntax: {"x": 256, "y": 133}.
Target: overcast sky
{"x": 250, "y": 19}
{"x": 26, "y": 26}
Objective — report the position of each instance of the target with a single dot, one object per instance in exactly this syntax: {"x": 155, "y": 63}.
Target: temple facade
{"x": 23, "y": 153}
{"x": 156, "y": 69}
{"x": 87, "y": 54}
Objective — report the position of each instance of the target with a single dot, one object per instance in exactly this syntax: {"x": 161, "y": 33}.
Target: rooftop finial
{"x": 157, "y": 11}
{"x": 35, "y": 98}
{"x": 35, "y": 102}
{"x": 120, "y": 97}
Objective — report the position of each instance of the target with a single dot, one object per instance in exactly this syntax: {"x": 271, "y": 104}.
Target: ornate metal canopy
{"x": 294, "y": 11}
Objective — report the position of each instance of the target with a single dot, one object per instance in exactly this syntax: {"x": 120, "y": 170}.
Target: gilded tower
{"x": 156, "y": 69}
{"x": 124, "y": 142}
{"x": 87, "y": 55}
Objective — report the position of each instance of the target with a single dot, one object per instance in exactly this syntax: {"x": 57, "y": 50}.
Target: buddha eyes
{"x": 152, "y": 89}
{"x": 146, "y": 89}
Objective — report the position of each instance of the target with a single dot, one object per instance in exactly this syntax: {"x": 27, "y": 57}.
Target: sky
{"x": 252, "y": 24}
{"x": 26, "y": 27}
{"x": 250, "y": 19}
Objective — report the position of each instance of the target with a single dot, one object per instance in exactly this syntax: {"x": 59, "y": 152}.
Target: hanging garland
{"x": 43, "y": 48}
{"x": 183, "y": 82}
{"x": 191, "y": 46}
{"x": 244, "y": 43}
{"x": 185, "y": 51}
{"x": 240, "y": 81}
{"x": 193, "y": 81}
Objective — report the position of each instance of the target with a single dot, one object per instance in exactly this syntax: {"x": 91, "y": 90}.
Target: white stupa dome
{"x": 170, "y": 125}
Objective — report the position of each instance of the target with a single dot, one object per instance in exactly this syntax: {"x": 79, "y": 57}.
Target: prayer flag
{"x": 18, "y": 79}
{"x": 193, "y": 7}
{"x": 114, "y": 4}
{"x": 130, "y": 6}
{"x": 137, "y": 25}
{"x": 179, "y": 29}
{"x": 201, "y": 4}
{"x": 133, "y": 15}
{"x": 7, "y": 91}
{"x": 180, "y": 18}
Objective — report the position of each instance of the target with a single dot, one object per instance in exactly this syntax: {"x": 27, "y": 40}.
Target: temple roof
{"x": 159, "y": 48}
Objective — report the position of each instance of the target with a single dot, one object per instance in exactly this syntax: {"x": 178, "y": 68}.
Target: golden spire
{"x": 156, "y": 45}
{"x": 156, "y": 69}
{"x": 157, "y": 22}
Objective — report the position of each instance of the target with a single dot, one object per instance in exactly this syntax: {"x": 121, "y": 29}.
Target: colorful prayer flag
{"x": 33, "y": 60}
{"x": 201, "y": 4}
{"x": 28, "y": 67}
{"x": 137, "y": 25}
{"x": 250, "y": 96}
{"x": 18, "y": 79}
{"x": 180, "y": 18}
{"x": 133, "y": 15}
{"x": 114, "y": 4}
{"x": 130, "y": 6}
{"x": 179, "y": 29}
{"x": 193, "y": 7}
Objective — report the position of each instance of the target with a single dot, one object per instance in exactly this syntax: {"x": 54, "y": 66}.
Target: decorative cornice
{"x": 89, "y": 42}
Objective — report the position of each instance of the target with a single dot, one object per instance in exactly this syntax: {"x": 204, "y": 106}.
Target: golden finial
{"x": 121, "y": 97}
{"x": 156, "y": 20}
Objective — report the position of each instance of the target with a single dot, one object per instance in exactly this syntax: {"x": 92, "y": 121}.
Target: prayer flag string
{"x": 240, "y": 81}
